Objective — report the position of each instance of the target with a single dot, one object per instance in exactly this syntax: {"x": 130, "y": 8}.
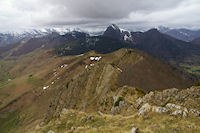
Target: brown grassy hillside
{"x": 70, "y": 84}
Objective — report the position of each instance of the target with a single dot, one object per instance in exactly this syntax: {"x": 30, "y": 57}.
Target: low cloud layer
{"x": 15, "y": 14}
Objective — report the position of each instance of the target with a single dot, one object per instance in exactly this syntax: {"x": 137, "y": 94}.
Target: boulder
{"x": 177, "y": 112}
{"x": 50, "y": 131}
{"x": 115, "y": 110}
{"x": 100, "y": 113}
{"x": 135, "y": 130}
{"x": 144, "y": 109}
{"x": 159, "y": 109}
{"x": 65, "y": 111}
{"x": 173, "y": 106}
{"x": 184, "y": 115}
{"x": 195, "y": 112}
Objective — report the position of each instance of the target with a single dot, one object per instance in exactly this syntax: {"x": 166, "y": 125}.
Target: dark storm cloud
{"x": 112, "y": 8}
{"x": 27, "y": 13}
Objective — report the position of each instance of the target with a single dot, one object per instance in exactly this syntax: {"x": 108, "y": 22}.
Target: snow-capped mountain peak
{"x": 13, "y": 37}
{"x": 114, "y": 26}
{"x": 114, "y": 31}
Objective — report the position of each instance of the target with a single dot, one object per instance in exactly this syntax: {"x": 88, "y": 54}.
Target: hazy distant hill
{"x": 181, "y": 34}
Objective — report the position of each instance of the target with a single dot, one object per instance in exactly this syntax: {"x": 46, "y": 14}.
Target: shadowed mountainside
{"x": 196, "y": 41}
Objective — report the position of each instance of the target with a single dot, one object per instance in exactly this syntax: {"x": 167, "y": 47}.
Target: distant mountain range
{"x": 45, "y": 42}
{"x": 181, "y": 34}
{"x": 160, "y": 45}
{"x": 153, "y": 42}
{"x": 14, "y": 37}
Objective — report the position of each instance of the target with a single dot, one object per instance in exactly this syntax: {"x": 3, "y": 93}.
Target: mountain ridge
{"x": 181, "y": 34}
{"x": 176, "y": 52}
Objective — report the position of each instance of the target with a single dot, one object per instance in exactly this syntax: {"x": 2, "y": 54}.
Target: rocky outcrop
{"x": 178, "y": 112}
{"x": 195, "y": 112}
{"x": 159, "y": 109}
{"x": 144, "y": 109}
{"x": 187, "y": 102}
{"x": 189, "y": 98}
{"x": 119, "y": 103}
{"x": 172, "y": 106}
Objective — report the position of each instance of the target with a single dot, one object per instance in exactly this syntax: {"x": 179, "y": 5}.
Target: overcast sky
{"x": 16, "y": 14}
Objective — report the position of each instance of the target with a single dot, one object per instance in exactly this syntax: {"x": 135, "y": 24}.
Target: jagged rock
{"x": 177, "y": 112}
{"x": 195, "y": 112}
{"x": 122, "y": 104}
{"x": 65, "y": 111}
{"x": 173, "y": 106}
{"x": 119, "y": 103}
{"x": 180, "y": 113}
{"x": 115, "y": 98}
{"x": 100, "y": 113}
{"x": 139, "y": 101}
{"x": 159, "y": 109}
{"x": 145, "y": 99}
{"x": 135, "y": 130}
{"x": 161, "y": 98}
{"x": 185, "y": 110}
{"x": 184, "y": 115}
{"x": 50, "y": 131}
{"x": 144, "y": 109}
{"x": 148, "y": 96}
{"x": 185, "y": 99}
{"x": 190, "y": 126}
{"x": 42, "y": 124}
{"x": 115, "y": 110}
{"x": 170, "y": 92}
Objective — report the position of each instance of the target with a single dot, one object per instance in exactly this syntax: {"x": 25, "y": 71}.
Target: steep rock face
{"x": 113, "y": 31}
{"x": 100, "y": 85}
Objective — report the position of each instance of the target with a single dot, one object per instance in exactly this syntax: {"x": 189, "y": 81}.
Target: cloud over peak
{"x": 144, "y": 13}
